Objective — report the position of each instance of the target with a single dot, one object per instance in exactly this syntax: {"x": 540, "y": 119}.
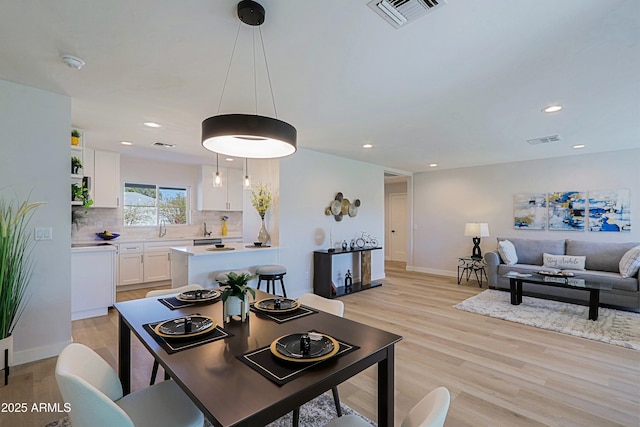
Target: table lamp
{"x": 476, "y": 230}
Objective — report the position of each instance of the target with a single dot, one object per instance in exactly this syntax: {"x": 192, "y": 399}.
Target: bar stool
{"x": 271, "y": 273}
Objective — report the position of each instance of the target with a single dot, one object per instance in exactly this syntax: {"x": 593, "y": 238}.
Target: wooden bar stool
{"x": 271, "y": 273}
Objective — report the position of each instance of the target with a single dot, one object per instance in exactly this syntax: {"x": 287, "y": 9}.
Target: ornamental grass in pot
{"x": 16, "y": 266}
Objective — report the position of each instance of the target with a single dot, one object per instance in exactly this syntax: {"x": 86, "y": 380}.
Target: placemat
{"x": 280, "y": 371}
{"x": 175, "y": 345}
{"x": 174, "y": 303}
{"x": 302, "y": 311}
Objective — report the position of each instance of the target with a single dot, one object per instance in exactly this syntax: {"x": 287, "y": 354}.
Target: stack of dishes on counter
{"x": 303, "y": 347}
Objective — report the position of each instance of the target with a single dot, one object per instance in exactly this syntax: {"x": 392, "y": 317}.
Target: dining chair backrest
{"x": 431, "y": 411}
{"x": 332, "y": 306}
{"x": 90, "y": 385}
{"x": 185, "y": 288}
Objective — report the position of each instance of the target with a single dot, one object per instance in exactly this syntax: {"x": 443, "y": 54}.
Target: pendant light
{"x": 246, "y": 183}
{"x": 217, "y": 178}
{"x": 249, "y": 135}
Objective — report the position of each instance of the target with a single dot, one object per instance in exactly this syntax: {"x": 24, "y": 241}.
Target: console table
{"x": 322, "y": 267}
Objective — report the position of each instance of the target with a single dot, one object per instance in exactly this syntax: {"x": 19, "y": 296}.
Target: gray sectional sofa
{"x": 602, "y": 260}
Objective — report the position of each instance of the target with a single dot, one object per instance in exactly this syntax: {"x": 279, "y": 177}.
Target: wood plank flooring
{"x": 499, "y": 373}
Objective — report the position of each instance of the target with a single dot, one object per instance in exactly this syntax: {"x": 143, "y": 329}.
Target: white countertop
{"x": 122, "y": 239}
{"x": 212, "y": 250}
{"x": 93, "y": 248}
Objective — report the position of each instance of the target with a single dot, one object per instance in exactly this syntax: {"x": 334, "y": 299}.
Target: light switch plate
{"x": 43, "y": 233}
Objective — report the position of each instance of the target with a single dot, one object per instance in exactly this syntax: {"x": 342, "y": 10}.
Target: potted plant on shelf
{"x": 75, "y": 165}
{"x": 261, "y": 200}
{"x": 234, "y": 297}
{"x": 75, "y": 137}
{"x": 81, "y": 193}
{"x": 16, "y": 266}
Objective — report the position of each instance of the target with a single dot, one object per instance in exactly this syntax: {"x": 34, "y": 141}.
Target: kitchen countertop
{"x": 206, "y": 250}
{"x": 122, "y": 239}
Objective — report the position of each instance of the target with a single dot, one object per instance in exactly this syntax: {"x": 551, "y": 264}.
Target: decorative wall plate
{"x": 336, "y": 207}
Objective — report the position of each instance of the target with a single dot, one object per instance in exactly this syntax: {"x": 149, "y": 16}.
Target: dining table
{"x": 226, "y": 389}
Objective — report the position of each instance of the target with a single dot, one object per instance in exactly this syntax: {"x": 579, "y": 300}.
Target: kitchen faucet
{"x": 163, "y": 228}
{"x": 206, "y": 233}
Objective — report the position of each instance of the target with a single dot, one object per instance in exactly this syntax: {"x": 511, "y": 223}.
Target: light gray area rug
{"x": 613, "y": 326}
{"x": 316, "y": 413}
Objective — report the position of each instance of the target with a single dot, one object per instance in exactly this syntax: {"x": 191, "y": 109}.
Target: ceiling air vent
{"x": 399, "y": 13}
{"x": 544, "y": 140}
{"x": 162, "y": 144}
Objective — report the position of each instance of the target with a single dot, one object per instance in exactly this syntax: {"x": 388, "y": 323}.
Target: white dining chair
{"x": 93, "y": 389}
{"x": 331, "y": 306}
{"x": 431, "y": 411}
{"x": 159, "y": 293}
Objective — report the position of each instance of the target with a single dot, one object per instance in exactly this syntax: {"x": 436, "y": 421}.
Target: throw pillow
{"x": 630, "y": 262}
{"x": 507, "y": 252}
{"x": 564, "y": 262}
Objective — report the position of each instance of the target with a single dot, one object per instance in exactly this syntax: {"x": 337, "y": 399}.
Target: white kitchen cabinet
{"x": 228, "y": 197}
{"x": 106, "y": 179}
{"x": 157, "y": 266}
{"x": 131, "y": 264}
{"x": 92, "y": 281}
{"x": 145, "y": 262}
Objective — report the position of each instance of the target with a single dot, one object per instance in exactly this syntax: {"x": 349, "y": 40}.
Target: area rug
{"x": 613, "y": 326}
{"x": 316, "y": 413}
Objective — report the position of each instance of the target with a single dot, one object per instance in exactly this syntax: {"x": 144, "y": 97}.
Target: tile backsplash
{"x": 85, "y": 225}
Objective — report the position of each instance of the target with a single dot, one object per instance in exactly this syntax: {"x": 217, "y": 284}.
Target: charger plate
{"x": 267, "y": 305}
{"x": 288, "y": 345}
{"x": 191, "y": 296}
{"x": 174, "y": 328}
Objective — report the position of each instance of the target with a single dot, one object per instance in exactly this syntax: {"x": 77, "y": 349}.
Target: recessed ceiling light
{"x": 229, "y": 159}
{"x": 126, "y": 142}
{"x": 367, "y": 145}
{"x": 152, "y": 125}
{"x": 433, "y": 165}
{"x": 577, "y": 146}
{"x": 73, "y": 61}
{"x": 552, "y": 109}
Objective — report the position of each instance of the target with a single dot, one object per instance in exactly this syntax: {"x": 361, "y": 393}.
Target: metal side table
{"x": 471, "y": 265}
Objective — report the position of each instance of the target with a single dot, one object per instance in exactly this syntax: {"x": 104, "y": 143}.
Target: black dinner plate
{"x": 270, "y": 305}
{"x": 288, "y": 348}
{"x": 193, "y": 296}
{"x": 175, "y": 328}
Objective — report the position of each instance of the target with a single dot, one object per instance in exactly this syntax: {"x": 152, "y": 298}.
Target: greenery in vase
{"x": 261, "y": 199}
{"x": 81, "y": 193}
{"x": 75, "y": 133}
{"x": 16, "y": 263}
{"x": 237, "y": 286}
{"x": 75, "y": 163}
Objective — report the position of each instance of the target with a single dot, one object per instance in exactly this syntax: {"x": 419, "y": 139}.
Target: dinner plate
{"x": 269, "y": 305}
{"x": 175, "y": 328}
{"x": 288, "y": 348}
{"x": 336, "y": 207}
{"x": 198, "y": 296}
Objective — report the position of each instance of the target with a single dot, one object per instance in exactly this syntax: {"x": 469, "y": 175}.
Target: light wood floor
{"x": 499, "y": 373}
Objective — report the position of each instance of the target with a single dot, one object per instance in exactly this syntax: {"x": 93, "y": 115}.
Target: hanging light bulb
{"x": 217, "y": 178}
{"x": 246, "y": 183}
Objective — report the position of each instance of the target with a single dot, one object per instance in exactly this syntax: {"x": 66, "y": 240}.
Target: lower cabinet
{"x": 157, "y": 266}
{"x": 131, "y": 268}
{"x": 145, "y": 262}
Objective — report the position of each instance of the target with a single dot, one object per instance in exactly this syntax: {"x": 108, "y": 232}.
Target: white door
{"x": 398, "y": 227}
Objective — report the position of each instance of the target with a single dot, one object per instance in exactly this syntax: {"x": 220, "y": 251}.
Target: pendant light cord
{"x": 233, "y": 52}
{"x": 266, "y": 63}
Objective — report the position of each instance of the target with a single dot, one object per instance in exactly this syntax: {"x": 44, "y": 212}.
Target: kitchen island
{"x": 201, "y": 264}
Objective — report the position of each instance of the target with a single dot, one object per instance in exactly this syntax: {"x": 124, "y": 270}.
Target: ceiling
{"x": 461, "y": 86}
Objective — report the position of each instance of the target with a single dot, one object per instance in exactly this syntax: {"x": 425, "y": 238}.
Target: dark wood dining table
{"x": 227, "y": 391}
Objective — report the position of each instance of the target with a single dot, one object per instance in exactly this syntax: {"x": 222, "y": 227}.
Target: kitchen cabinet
{"x": 93, "y": 281}
{"x": 228, "y": 197}
{"x": 77, "y": 151}
{"x": 106, "y": 180}
{"x": 145, "y": 262}
{"x": 131, "y": 264}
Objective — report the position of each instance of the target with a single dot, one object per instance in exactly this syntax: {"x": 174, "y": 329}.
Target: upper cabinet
{"x": 104, "y": 168}
{"x": 228, "y": 197}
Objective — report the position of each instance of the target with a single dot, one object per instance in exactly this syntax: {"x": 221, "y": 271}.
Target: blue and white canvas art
{"x": 530, "y": 211}
{"x": 610, "y": 210}
{"x": 567, "y": 211}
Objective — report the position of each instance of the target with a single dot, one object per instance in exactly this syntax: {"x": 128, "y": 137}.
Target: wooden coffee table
{"x": 594, "y": 288}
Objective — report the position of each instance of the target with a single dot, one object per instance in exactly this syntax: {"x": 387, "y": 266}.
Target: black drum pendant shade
{"x": 248, "y": 135}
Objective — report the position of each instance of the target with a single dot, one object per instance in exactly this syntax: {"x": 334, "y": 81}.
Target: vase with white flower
{"x": 224, "y": 225}
{"x": 261, "y": 200}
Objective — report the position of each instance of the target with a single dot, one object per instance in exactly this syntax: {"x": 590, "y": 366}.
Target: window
{"x": 148, "y": 204}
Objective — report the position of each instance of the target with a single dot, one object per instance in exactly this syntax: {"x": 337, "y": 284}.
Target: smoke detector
{"x": 399, "y": 13}
{"x": 73, "y": 61}
{"x": 544, "y": 140}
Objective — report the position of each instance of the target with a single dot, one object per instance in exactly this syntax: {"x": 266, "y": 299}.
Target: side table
{"x": 469, "y": 265}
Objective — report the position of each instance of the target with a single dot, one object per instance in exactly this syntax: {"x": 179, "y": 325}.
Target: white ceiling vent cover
{"x": 399, "y": 13}
{"x": 544, "y": 140}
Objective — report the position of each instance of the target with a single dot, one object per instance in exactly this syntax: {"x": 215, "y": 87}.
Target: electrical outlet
{"x": 43, "y": 233}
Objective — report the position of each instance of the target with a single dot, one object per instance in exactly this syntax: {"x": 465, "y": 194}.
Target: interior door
{"x": 398, "y": 227}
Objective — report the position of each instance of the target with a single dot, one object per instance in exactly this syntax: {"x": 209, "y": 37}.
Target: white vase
{"x": 6, "y": 343}
{"x": 235, "y": 306}
{"x": 263, "y": 235}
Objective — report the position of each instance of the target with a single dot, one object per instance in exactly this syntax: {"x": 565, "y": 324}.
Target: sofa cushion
{"x": 563, "y": 262}
{"x": 630, "y": 262}
{"x": 507, "y": 252}
{"x": 530, "y": 251}
{"x": 601, "y": 256}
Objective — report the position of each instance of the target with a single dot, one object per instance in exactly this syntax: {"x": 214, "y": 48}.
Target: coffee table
{"x": 594, "y": 288}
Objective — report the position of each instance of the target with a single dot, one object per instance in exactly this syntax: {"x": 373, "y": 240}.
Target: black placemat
{"x": 302, "y": 311}
{"x": 174, "y": 345}
{"x": 174, "y": 303}
{"x": 280, "y": 371}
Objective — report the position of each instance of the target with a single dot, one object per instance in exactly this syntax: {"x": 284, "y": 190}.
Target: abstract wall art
{"x": 610, "y": 210}
{"x": 530, "y": 211}
{"x": 567, "y": 210}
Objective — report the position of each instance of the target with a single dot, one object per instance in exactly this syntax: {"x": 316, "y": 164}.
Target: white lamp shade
{"x": 476, "y": 229}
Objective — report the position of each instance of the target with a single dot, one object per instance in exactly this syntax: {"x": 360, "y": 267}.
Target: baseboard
{"x": 432, "y": 271}
{"x": 39, "y": 353}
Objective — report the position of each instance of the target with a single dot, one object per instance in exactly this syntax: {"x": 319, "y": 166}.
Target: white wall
{"x": 309, "y": 182}
{"x": 445, "y": 200}
{"x": 35, "y": 130}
